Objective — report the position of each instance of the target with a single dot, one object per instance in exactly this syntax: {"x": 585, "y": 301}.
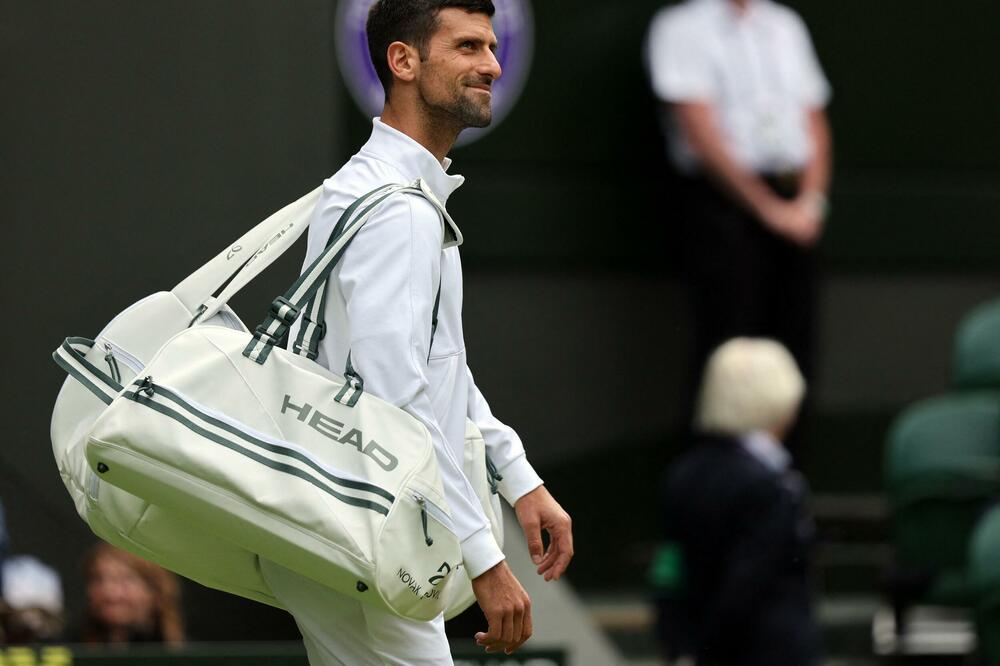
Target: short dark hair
{"x": 411, "y": 22}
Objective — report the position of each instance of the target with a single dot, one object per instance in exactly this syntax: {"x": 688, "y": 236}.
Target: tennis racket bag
{"x": 98, "y": 369}
{"x": 239, "y": 449}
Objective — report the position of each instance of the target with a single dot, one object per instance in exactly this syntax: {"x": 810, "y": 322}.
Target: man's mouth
{"x": 485, "y": 87}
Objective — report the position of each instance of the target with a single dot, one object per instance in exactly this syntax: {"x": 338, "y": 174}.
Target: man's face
{"x": 460, "y": 67}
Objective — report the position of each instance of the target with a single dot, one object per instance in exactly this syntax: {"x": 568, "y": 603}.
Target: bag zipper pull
{"x": 494, "y": 476}
{"x": 109, "y": 358}
{"x": 423, "y": 518}
{"x": 147, "y": 386}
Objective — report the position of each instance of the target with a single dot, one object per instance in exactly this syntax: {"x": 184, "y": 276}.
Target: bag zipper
{"x": 494, "y": 476}
{"x": 423, "y": 518}
{"x": 122, "y": 356}
{"x": 109, "y": 358}
{"x": 435, "y": 512}
{"x": 146, "y": 386}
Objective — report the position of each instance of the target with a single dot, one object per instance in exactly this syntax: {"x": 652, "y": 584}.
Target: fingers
{"x": 533, "y": 533}
{"x": 555, "y": 566}
{"x": 560, "y": 551}
{"x": 493, "y": 639}
{"x": 526, "y": 629}
{"x": 517, "y": 627}
{"x": 509, "y": 627}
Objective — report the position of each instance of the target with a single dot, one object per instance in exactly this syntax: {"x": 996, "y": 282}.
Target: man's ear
{"x": 404, "y": 61}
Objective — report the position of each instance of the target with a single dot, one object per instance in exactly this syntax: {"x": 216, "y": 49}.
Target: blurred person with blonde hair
{"x": 735, "y": 513}
{"x": 129, "y": 600}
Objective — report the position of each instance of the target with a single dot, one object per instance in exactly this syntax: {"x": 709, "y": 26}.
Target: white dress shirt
{"x": 379, "y": 308}
{"x": 756, "y": 67}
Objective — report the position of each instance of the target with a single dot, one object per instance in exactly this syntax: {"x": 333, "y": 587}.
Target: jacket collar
{"x": 767, "y": 450}
{"x": 413, "y": 160}
{"x": 757, "y": 444}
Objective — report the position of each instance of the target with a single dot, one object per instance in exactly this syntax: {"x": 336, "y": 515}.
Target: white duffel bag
{"x": 240, "y": 450}
{"x": 97, "y": 370}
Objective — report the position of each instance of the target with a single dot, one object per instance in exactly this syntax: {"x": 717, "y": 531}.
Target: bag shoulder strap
{"x": 313, "y": 328}
{"x": 285, "y": 309}
{"x": 244, "y": 259}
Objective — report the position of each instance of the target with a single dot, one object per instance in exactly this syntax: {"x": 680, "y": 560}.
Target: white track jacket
{"x": 379, "y": 308}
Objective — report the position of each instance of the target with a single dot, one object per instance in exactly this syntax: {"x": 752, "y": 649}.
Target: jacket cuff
{"x": 480, "y": 552}
{"x": 519, "y": 479}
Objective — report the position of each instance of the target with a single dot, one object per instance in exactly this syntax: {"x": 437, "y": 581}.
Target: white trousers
{"x": 340, "y": 631}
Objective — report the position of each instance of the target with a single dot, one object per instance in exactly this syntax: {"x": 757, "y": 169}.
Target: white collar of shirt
{"x": 735, "y": 13}
{"x": 767, "y": 450}
{"x": 414, "y": 161}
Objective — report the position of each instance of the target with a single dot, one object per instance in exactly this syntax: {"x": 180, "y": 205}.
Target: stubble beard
{"x": 471, "y": 114}
{"x": 460, "y": 111}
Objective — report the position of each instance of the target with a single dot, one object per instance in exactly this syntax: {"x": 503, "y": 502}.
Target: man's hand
{"x": 798, "y": 221}
{"x": 538, "y": 511}
{"x": 507, "y": 609}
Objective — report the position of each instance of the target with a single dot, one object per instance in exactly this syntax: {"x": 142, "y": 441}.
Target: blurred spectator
{"x": 130, "y": 600}
{"x": 33, "y": 601}
{"x": 743, "y": 102}
{"x": 736, "y": 527}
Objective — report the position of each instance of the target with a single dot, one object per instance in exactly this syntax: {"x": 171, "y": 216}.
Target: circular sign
{"x": 514, "y": 29}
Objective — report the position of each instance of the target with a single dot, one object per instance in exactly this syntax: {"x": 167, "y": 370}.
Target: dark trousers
{"x": 744, "y": 280}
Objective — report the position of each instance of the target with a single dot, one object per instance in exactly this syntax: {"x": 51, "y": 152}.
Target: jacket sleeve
{"x": 389, "y": 279}
{"x": 503, "y": 447}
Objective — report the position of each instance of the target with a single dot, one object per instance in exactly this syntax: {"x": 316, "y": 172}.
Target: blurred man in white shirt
{"x": 743, "y": 98}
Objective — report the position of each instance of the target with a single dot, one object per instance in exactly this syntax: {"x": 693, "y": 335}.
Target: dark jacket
{"x": 744, "y": 537}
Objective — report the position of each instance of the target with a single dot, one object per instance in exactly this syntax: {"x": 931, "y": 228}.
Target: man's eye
{"x": 467, "y": 45}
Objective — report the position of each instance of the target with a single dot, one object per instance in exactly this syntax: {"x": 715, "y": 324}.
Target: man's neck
{"x": 437, "y": 139}
{"x": 740, "y": 5}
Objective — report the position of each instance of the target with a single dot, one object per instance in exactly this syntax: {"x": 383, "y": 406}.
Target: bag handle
{"x": 313, "y": 327}
{"x": 285, "y": 309}
{"x": 71, "y": 357}
{"x": 267, "y": 241}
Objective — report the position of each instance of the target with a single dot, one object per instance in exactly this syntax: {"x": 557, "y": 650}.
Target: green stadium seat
{"x": 977, "y": 348}
{"x": 942, "y": 472}
{"x": 984, "y": 572}
{"x": 666, "y": 573}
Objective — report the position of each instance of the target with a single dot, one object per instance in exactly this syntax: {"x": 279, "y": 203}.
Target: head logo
{"x": 512, "y": 24}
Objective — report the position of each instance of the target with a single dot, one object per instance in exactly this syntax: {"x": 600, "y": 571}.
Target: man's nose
{"x": 490, "y": 65}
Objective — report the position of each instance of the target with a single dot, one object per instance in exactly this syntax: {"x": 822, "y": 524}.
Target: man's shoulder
{"x": 359, "y": 177}
{"x": 362, "y": 175}
{"x": 784, "y": 16}
{"x": 717, "y": 457}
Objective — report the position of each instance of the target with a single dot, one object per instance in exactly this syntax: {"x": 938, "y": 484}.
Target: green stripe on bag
{"x": 267, "y": 462}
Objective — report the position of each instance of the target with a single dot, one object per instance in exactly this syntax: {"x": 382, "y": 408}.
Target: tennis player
{"x": 436, "y": 61}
